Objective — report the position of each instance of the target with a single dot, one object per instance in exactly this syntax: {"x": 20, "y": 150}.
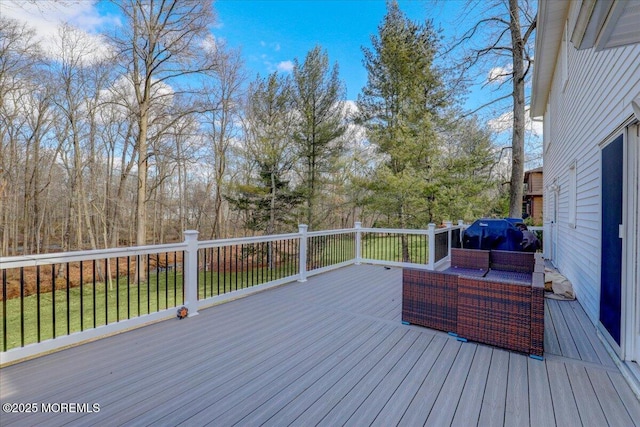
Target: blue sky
{"x": 271, "y": 33}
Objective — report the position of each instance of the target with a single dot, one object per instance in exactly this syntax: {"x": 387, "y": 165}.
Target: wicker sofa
{"x": 493, "y": 297}
{"x": 430, "y": 298}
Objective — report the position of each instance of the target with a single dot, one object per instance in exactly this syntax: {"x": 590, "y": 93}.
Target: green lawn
{"x": 389, "y": 248}
{"x": 99, "y": 306}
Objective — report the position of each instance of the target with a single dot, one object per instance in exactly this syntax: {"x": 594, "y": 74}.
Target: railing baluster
{"x": 235, "y": 265}
{"x": 22, "y": 306}
{"x": 157, "y": 283}
{"x": 166, "y": 280}
{"x": 218, "y": 270}
{"x": 93, "y": 287}
{"x": 175, "y": 278}
{"x": 117, "y": 289}
{"x": 68, "y": 302}
{"x": 53, "y": 300}
{"x": 138, "y": 281}
{"x": 212, "y": 269}
{"x": 128, "y": 287}
{"x": 38, "y": 282}
{"x": 224, "y": 265}
{"x": 202, "y": 282}
{"x": 105, "y": 278}
{"x": 253, "y": 263}
{"x": 4, "y": 310}
{"x": 81, "y": 296}
{"x": 148, "y": 280}
{"x": 245, "y": 272}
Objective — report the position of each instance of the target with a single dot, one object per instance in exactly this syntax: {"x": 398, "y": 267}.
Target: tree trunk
{"x": 517, "y": 144}
{"x": 141, "y": 205}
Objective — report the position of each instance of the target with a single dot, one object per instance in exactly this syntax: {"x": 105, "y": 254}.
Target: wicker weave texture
{"x": 509, "y": 277}
{"x": 430, "y": 299}
{"x": 470, "y": 258}
{"x": 537, "y": 314}
{"x": 472, "y": 272}
{"x": 495, "y": 313}
{"x": 523, "y": 262}
{"x": 537, "y": 321}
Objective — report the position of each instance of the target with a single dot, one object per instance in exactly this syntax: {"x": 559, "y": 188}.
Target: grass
{"x": 389, "y": 248}
{"x": 99, "y": 305}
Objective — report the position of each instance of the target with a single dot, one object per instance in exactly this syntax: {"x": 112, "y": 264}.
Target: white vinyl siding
{"x": 564, "y": 57}
{"x": 572, "y": 194}
{"x": 594, "y": 103}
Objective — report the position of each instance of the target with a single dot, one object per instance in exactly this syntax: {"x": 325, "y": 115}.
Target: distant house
{"x": 586, "y": 85}
{"x": 532, "y": 200}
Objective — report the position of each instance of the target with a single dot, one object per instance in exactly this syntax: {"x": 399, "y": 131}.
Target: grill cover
{"x": 496, "y": 234}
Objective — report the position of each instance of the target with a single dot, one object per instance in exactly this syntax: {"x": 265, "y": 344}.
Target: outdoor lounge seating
{"x": 495, "y": 297}
{"x": 430, "y": 298}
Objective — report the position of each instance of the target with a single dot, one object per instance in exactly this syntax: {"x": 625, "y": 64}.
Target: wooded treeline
{"x": 157, "y": 129}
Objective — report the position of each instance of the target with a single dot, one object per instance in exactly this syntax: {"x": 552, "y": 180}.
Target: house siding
{"x": 588, "y": 111}
{"x": 535, "y": 183}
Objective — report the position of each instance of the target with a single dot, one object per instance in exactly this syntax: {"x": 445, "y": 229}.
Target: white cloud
{"x": 210, "y": 44}
{"x": 47, "y": 17}
{"x": 504, "y": 123}
{"x": 499, "y": 74}
{"x": 271, "y": 45}
{"x": 285, "y": 66}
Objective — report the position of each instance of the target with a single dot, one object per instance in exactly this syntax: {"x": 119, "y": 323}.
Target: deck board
{"x": 540, "y": 402}
{"x": 330, "y": 351}
{"x": 368, "y": 411}
{"x": 583, "y": 345}
{"x": 517, "y": 403}
{"x": 568, "y": 347}
{"x": 493, "y": 403}
{"x": 614, "y": 409}
{"x": 449, "y": 396}
{"x": 586, "y": 399}
{"x": 289, "y": 410}
{"x": 551, "y": 344}
{"x": 395, "y": 407}
{"x": 468, "y": 410}
{"x": 591, "y": 334}
{"x": 422, "y": 402}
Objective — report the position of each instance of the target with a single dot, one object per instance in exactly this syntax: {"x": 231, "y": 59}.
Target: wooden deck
{"x": 331, "y": 351}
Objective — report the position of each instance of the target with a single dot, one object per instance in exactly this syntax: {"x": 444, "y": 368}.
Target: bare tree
{"x": 161, "y": 46}
{"x": 504, "y": 32}
{"x": 222, "y": 108}
{"x": 24, "y": 107}
{"x": 79, "y": 74}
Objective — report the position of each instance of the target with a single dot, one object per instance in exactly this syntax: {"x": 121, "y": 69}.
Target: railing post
{"x": 191, "y": 272}
{"x": 302, "y": 228}
{"x": 448, "y": 224}
{"x": 358, "y": 226}
{"x": 432, "y": 246}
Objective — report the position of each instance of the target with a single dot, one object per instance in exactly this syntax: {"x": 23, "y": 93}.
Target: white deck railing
{"x": 51, "y": 301}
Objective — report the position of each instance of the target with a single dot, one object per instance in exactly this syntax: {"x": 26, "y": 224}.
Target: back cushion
{"x": 470, "y": 258}
{"x": 523, "y": 262}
